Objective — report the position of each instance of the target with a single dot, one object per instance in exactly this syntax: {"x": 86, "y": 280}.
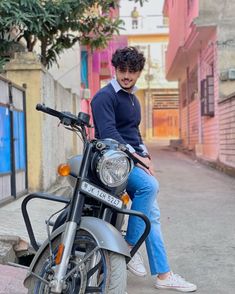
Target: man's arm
{"x": 143, "y": 147}
{"x": 147, "y": 158}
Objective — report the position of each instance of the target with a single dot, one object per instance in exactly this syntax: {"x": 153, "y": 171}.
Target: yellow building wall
{"x": 152, "y": 38}
{"x": 20, "y": 73}
{"x": 47, "y": 144}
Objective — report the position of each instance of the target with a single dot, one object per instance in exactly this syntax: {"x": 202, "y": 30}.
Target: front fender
{"x": 106, "y": 236}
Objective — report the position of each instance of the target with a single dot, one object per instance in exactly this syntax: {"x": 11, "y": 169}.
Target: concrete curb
{"x": 12, "y": 247}
{"x": 7, "y": 253}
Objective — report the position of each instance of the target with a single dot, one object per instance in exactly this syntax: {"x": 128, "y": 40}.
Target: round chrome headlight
{"x": 113, "y": 168}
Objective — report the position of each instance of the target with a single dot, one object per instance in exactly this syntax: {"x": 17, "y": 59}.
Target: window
{"x": 207, "y": 96}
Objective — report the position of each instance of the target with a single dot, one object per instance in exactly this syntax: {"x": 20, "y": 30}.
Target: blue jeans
{"x": 143, "y": 190}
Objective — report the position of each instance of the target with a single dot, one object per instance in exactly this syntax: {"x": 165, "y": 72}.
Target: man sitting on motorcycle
{"x": 117, "y": 115}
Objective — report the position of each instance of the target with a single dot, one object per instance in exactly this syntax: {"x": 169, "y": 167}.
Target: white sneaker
{"x": 136, "y": 265}
{"x": 175, "y": 282}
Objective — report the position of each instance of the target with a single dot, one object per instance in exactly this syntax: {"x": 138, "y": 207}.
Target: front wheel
{"x": 93, "y": 270}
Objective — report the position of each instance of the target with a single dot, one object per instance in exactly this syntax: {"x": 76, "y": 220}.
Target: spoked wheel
{"x": 90, "y": 269}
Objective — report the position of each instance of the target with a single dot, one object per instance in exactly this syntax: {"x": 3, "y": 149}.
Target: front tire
{"x": 103, "y": 272}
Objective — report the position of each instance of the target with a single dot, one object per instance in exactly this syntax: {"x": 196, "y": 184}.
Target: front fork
{"x": 57, "y": 284}
{"x": 74, "y": 218}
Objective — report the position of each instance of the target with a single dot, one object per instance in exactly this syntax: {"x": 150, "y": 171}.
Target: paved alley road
{"x": 198, "y": 218}
{"x": 198, "y": 221}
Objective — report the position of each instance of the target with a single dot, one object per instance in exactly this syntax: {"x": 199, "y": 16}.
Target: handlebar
{"x": 66, "y": 118}
{"x": 81, "y": 120}
{"x": 135, "y": 159}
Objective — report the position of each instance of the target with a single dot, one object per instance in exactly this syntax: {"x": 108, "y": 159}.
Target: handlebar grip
{"x": 48, "y": 110}
{"x": 43, "y": 108}
{"x": 40, "y": 107}
{"x": 66, "y": 118}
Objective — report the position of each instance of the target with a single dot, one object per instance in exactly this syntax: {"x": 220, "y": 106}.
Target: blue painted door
{"x": 13, "y": 143}
{"x": 19, "y": 140}
{"x": 5, "y": 141}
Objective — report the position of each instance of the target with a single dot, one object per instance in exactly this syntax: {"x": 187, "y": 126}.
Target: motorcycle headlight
{"x": 113, "y": 168}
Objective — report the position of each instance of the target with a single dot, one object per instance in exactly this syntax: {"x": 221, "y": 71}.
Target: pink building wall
{"x": 184, "y": 124}
{"x": 193, "y": 123}
{"x": 197, "y": 60}
{"x": 100, "y": 67}
{"x": 180, "y": 20}
{"x": 210, "y": 125}
{"x": 176, "y": 28}
{"x": 191, "y": 12}
{"x": 187, "y": 54}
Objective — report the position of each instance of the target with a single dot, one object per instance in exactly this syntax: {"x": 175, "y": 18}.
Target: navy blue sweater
{"x": 117, "y": 116}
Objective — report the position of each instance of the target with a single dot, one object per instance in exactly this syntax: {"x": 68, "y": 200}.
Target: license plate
{"x": 100, "y": 195}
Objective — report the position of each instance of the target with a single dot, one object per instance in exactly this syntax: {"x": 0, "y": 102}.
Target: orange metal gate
{"x": 166, "y": 123}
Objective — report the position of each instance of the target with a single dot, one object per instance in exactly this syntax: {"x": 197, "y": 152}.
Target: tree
{"x": 57, "y": 25}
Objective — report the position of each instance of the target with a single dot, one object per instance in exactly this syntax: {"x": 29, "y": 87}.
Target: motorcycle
{"x": 86, "y": 251}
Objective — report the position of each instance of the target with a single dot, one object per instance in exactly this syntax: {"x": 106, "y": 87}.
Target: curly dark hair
{"x": 128, "y": 58}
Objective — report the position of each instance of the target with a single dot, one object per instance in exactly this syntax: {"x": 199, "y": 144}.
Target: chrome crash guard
{"x": 106, "y": 235}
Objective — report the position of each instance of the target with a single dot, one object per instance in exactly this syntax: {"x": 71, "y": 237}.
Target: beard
{"x": 129, "y": 87}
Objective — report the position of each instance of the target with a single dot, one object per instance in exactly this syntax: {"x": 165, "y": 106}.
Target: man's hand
{"x": 147, "y": 162}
